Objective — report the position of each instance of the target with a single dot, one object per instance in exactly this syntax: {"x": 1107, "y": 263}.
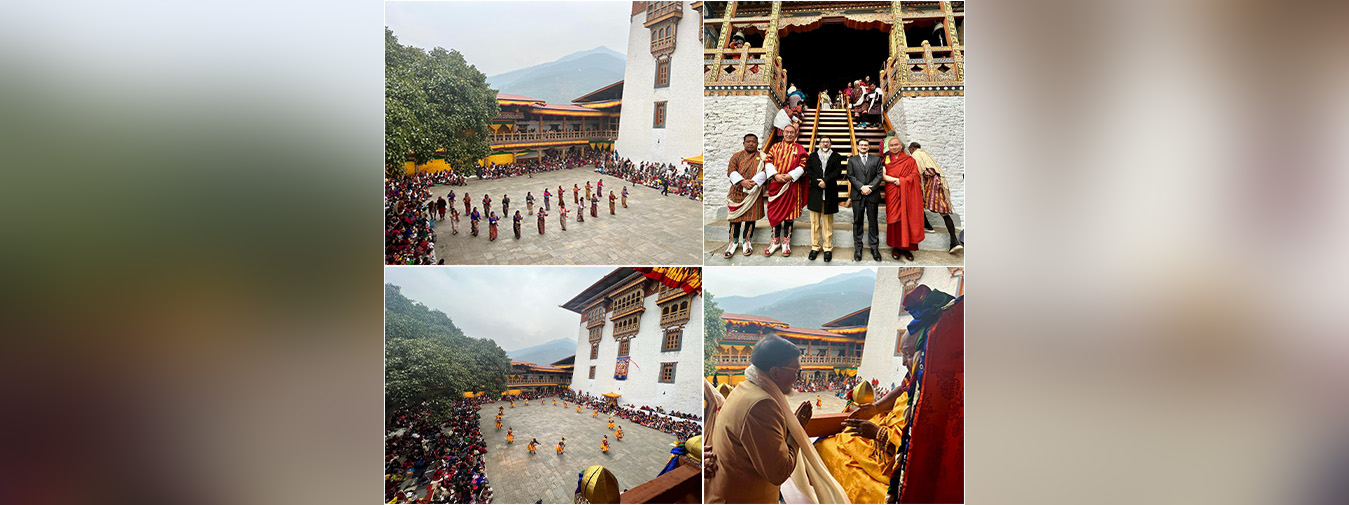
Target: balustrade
{"x": 515, "y": 137}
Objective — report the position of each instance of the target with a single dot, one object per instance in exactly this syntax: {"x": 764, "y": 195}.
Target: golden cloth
{"x": 854, "y": 461}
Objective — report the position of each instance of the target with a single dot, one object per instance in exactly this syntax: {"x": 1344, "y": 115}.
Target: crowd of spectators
{"x": 663, "y": 176}
{"x": 432, "y": 458}
{"x": 682, "y": 426}
{"x": 409, "y": 238}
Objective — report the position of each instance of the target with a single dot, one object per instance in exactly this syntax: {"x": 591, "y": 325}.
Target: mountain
{"x": 561, "y": 80}
{"x": 545, "y": 353}
{"x": 808, "y": 306}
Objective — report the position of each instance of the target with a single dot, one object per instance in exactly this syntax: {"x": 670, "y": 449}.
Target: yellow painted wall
{"x": 500, "y": 159}
{"x": 720, "y": 379}
{"x": 433, "y": 166}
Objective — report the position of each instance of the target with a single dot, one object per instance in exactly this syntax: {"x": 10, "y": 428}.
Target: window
{"x": 594, "y": 353}
{"x": 667, "y": 372}
{"x": 659, "y": 116}
{"x": 673, "y": 338}
{"x": 623, "y": 347}
{"x": 592, "y": 372}
{"x": 663, "y": 72}
{"x": 595, "y": 334}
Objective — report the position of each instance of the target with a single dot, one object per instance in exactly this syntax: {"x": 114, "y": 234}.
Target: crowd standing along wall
{"x": 726, "y": 120}
{"x": 682, "y": 136}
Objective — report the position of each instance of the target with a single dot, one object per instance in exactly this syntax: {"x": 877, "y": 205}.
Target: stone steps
{"x": 712, "y": 256}
{"x": 936, "y": 240}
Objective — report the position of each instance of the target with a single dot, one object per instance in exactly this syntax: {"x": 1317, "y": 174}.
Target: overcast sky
{"x": 499, "y": 37}
{"x": 517, "y": 307}
{"x": 754, "y": 281}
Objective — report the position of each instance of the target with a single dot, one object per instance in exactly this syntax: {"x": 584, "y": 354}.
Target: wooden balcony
{"x": 661, "y": 11}
{"x": 550, "y": 136}
{"x": 745, "y": 337}
{"x": 841, "y": 361}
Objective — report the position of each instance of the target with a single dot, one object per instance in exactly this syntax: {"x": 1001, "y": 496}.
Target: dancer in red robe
{"x": 903, "y": 202}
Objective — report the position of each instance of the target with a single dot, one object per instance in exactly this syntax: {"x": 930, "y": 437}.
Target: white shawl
{"x": 810, "y": 477}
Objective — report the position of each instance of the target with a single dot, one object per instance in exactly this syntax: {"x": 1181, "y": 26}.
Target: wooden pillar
{"x": 722, "y": 37}
{"x": 899, "y": 45}
{"x": 953, "y": 40}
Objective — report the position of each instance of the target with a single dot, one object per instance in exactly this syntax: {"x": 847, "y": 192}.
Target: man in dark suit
{"x": 864, "y": 172}
{"x": 822, "y": 169}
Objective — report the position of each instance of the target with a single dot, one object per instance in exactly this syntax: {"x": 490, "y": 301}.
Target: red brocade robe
{"x": 785, "y": 199}
{"x": 903, "y": 203}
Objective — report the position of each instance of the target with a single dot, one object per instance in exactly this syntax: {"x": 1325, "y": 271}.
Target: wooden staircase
{"x": 843, "y": 134}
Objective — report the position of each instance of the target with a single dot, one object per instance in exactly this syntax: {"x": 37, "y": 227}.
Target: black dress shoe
{"x": 828, "y": 256}
{"x": 876, "y": 254}
{"x": 812, "y": 255}
{"x": 857, "y": 255}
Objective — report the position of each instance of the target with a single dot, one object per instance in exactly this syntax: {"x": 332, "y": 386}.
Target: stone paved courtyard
{"x": 832, "y": 404}
{"x": 653, "y": 230}
{"x": 519, "y": 477}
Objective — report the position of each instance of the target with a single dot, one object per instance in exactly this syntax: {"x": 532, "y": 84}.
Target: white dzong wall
{"x": 643, "y": 386}
{"x": 938, "y": 124}
{"x": 682, "y": 136}
{"x": 726, "y": 121}
{"x": 880, "y": 357}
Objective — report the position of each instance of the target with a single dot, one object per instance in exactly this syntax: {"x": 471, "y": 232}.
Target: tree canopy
{"x": 713, "y": 330}
{"x": 429, "y": 359}
{"x": 434, "y": 100}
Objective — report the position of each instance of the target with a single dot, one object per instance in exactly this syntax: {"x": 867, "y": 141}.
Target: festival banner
{"x": 621, "y": 369}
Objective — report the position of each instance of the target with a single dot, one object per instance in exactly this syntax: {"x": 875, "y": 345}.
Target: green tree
{"x": 713, "y": 330}
{"x": 434, "y": 100}
{"x": 429, "y": 359}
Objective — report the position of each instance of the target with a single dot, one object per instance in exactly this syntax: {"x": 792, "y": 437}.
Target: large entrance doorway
{"x": 829, "y": 57}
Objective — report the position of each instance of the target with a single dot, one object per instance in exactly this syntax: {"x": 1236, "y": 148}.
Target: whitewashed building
{"x": 881, "y": 358}
{"x": 639, "y": 341}
{"x": 662, "y": 118}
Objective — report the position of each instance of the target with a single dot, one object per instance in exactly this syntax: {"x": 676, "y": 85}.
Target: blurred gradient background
{"x": 193, "y": 256}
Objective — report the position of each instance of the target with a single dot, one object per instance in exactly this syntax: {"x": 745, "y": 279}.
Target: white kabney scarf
{"x": 713, "y": 400}
{"x": 810, "y": 478}
{"x": 738, "y": 209}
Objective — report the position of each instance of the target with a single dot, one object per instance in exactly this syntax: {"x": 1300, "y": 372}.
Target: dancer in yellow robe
{"x": 554, "y": 402}
{"x": 595, "y": 414}
{"x": 611, "y": 423}
{"x": 561, "y": 445}
{"x": 512, "y": 403}
{"x": 533, "y": 445}
{"x": 619, "y": 434}
{"x": 818, "y": 403}
{"x": 578, "y": 408}
{"x": 510, "y": 435}
{"x": 604, "y": 444}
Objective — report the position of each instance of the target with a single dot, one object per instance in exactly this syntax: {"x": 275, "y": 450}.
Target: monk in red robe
{"x": 785, "y": 163}
{"x": 903, "y": 201}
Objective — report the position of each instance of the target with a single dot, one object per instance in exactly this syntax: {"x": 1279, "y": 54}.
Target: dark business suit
{"x": 860, "y": 174}
{"x": 823, "y": 202}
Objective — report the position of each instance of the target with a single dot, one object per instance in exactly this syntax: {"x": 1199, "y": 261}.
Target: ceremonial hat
{"x": 863, "y": 393}
{"x": 695, "y": 447}
{"x": 599, "y": 485}
{"x": 916, "y": 296}
{"x": 724, "y": 389}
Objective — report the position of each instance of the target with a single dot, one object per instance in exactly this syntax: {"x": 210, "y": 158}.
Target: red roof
{"x": 756, "y": 319}
{"x": 517, "y": 98}
{"x": 808, "y": 331}
{"x": 558, "y": 106}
